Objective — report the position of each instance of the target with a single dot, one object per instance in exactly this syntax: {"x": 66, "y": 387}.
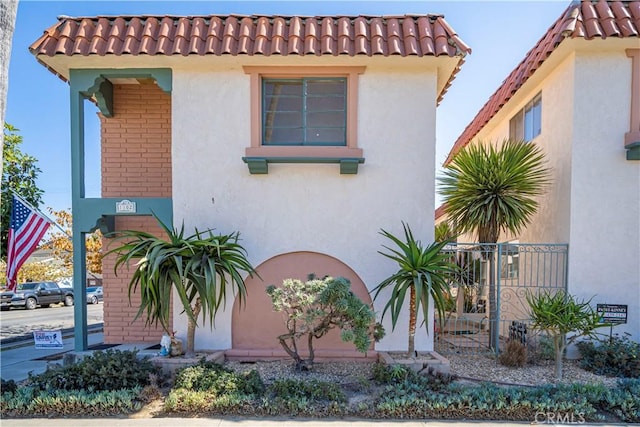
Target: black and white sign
{"x": 612, "y": 313}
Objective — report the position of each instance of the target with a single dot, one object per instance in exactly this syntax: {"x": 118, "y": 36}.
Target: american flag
{"x": 26, "y": 230}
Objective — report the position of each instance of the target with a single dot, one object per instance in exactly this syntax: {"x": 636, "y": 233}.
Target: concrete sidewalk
{"x": 18, "y": 358}
{"x": 237, "y": 422}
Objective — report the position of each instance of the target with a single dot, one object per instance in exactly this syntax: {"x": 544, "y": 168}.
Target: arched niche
{"x": 255, "y": 327}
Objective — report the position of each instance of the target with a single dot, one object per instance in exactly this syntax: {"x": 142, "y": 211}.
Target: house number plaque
{"x": 126, "y": 206}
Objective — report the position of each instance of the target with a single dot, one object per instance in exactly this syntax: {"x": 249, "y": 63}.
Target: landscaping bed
{"x": 336, "y": 389}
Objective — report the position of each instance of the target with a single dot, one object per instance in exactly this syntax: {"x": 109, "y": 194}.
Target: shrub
{"x": 103, "y": 370}
{"x": 617, "y": 356}
{"x": 401, "y": 378}
{"x": 214, "y": 378}
{"x": 314, "y": 307}
{"x": 9, "y": 386}
{"x": 514, "y": 354}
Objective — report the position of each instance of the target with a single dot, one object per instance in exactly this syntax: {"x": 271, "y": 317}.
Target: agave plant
{"x": 200, "y": 268}
{"x": 424, "y": 272}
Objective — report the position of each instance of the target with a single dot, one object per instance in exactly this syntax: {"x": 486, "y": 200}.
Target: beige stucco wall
{"x": 604, "y": 257}
{"x": 593, "y": 202}
{"x": 309, "y": 207}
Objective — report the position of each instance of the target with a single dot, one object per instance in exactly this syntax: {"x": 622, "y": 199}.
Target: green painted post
{"x": 77, "y": 192}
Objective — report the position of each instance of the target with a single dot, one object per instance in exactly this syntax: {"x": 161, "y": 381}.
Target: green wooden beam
{"x": 633, "y": 151}
{"x": 260, "y": 165}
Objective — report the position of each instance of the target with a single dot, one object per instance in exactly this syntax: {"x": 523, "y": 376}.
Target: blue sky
{"x": 499, "y": 32}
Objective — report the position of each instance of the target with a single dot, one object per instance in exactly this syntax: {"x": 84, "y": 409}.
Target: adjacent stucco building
{"x": 307, "y": 135}
{"x": 577, "y": 95}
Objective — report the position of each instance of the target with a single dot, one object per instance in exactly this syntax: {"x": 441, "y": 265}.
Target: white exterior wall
{"x": 307, "y": 207}
{"x": 604, "y": 254}
{"x": 550, "y": 224}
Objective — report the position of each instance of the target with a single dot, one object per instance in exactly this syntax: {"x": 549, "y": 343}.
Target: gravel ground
{"x": 466, "y": 367}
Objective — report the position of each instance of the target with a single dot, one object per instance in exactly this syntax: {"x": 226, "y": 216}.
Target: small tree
{"x": 559, "y": 314}
{"x": 199, "y": 267}
{"x": 314, "y": 307}
{"x": 424, "y": 272}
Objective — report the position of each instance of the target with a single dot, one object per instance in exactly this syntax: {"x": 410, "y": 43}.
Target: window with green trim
{"x": 304, "y": 111}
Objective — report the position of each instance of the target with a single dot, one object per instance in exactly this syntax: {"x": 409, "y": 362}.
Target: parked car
{"x": 5, "y": 299}
{"x": 94, "y": 294}
{"x": 32, "y": 294}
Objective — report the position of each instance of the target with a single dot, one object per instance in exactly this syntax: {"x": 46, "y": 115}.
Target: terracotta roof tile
{"x": 588, "y": 19}
{"x": 407, "y": 35}
{"x": 251, "y": 35}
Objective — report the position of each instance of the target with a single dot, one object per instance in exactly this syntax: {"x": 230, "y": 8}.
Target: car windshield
{"x": 89, "y": 290}
{"x": 27, "y": 286}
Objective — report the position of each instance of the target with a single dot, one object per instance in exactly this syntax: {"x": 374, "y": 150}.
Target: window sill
{"x": 258, "y": 158}
{"x": 260, "y": 165}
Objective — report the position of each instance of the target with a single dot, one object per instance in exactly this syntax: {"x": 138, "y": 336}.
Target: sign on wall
{"x": 612, "y": 313}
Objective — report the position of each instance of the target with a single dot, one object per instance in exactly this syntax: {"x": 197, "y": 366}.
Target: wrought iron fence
{"x": 482, "y": 313}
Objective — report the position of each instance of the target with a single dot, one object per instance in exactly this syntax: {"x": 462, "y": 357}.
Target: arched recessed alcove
{"x": 255, "y": 327}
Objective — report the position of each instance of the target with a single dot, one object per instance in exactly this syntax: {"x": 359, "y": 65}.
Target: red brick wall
{"x": 136, "y": 162}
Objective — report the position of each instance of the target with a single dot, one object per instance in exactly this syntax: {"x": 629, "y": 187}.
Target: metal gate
{"x": 482, "y": 314}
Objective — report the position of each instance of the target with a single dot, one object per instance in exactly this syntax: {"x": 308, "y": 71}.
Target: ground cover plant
{"x": 615, "y": 356}
{"x": 389, "y": 392}
{"x": 104, "y": 383}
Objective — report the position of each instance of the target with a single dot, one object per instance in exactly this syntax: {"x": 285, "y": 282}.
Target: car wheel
{"x": 68, "y": 300}
{"x": 30, "y": 304}
{"x": 94, "y": 300}
{"x": 4, "y": 308}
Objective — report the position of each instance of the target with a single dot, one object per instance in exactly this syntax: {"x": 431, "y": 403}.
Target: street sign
{"x": 45, "y": 340}
{"x": 612, "y": 313}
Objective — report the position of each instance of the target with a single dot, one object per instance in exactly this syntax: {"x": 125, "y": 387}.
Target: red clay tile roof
{"x": 408, "y": 35}
{"x": 587, "y": 19}
{"x": 418, "y": 35}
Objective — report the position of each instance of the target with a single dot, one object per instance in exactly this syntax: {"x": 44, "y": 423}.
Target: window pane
{"x": 516, "y": 126}
{"x": 282, "y": 87}
{"x": 537, "y": 117}
{"x": 528, "y": 124}
{"x": 326, "y": 136}
{"x": 324, "y": 87}
{"x": 282, "y": 103}
{"x": 283, "y": 119}
{"x": 325, "y": 119}
{"x": 328, "y": 103}
{"x": 283, "y": 136}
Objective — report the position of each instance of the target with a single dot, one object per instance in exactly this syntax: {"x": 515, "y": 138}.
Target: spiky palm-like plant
{"x": 488, "y": 190}
{"x": 200, "y": 267}
{"x": 424, "y": 272}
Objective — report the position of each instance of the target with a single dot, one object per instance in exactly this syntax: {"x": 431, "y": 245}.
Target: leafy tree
{"x": 199, "y": 267}
{"x": 488, "y": 190}
{"x": 62, "y": 247}
{"x": 19, "y": 174}
{"x": 38, "y": 271}
{"x": 424, "y": 272}
{"x": 315, "y": 307}
{"x": 559, "y": 314}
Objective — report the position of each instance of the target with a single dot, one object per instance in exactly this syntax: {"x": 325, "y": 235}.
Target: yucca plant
{"x": 423, "y": 272}
{"x": 200, "y": 267}
{"x": 488, "y": 190}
